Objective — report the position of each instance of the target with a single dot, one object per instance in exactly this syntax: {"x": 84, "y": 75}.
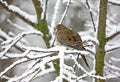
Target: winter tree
{"x": 29, "y": 53}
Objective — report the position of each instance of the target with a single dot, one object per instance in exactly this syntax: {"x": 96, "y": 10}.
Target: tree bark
{"x": 100, "y": 50}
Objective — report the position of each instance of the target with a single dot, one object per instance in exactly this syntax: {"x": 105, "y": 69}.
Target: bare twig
{"x": 91, "y": 15}
{"x": 113, "y": 36}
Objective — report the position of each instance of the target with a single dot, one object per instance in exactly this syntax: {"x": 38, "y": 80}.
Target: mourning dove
{"x": 69, "y": 38}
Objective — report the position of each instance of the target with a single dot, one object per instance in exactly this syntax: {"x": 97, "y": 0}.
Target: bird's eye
{"x": 69, "y": 39}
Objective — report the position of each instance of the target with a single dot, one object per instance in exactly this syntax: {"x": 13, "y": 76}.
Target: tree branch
{"x": 113, "y": 36}
{"x": 114, "y": 3}
{"x": 13, "y": 41}
{"x": 91, "y": 15}
{"x": 65, "y": 12}
{"x": 38, "y": 9}
{"x": 42, "y": 23}
{"x": 113, "y": 49}
{"x": 6, "y": 6}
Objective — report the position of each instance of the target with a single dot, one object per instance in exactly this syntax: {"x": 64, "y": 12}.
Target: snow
{"x": 12, "y": 65}
{"x": 53, "y": 23}
{"x": 61, "y": 55}
{"x": 41, "y": 57}
{"x": 56, "y": 12}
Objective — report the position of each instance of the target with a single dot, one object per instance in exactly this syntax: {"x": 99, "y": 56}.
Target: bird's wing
{"x": 71, "y": 39}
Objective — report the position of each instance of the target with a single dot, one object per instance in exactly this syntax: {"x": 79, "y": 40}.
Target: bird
{"x": 69, "y": 38}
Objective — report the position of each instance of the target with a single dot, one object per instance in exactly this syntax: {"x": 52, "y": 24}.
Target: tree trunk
{"x": 100, "y": 50}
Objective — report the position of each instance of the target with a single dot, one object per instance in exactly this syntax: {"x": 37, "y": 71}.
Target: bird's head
{"x": 60, "y": 27}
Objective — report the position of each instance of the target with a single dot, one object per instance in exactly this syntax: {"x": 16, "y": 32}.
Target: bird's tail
{"x": 85, "y": 60}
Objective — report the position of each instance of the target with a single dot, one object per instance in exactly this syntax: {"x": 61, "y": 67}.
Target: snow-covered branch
{"x": 65, "y": 12}
{"x": 30, "y": 19}
{"x": 38, "y": 9}
{"x": 89, "y": 74}
{"x": 11, "y": 42}
{"x": 38, "y": 65}
{"x": 114, "y": 2}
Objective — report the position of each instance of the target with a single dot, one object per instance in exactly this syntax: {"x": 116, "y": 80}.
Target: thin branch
{"x": 6, "y": 6}
{"x": 12, "y": 66}
{"x": 89, "y": 74}
{"x": 46, "y": 3}
{"x": 38, "y": 9}
{"x": 115, "y": 59}
{"x": 113, "y": 36}
{"x": 112, "y": 67}
{"x": 12, "y": 42}
{"x": 62, "y": 18}
{"x": 56, "y": 12}
{"x": 26, "y": 58}
{"x": 36, "y": 71}
{"x": 37, "y": 49}
{"x": 42, "y": 23}
{"x": 86, "y": 52}
{"x": 113, "y": 3}
{"x": 107, "y": 51}
{"x": 91, "y": 15}
{"x": 65, "y": 12}
{"x": 4, "y": 36}
{"x": 31, "y": 72}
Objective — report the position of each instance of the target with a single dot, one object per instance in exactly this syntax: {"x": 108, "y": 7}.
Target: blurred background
{"x": 78, "y": 18}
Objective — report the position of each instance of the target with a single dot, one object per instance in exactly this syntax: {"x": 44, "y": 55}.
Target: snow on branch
{"x": 114, "y": 2}
{"x": 12, "y": 66}
{"x": 57, "y": 6}
{"x": 55, "y": 16}
{"x": 65, "y": 12}
{"x": 16, "y": 25}
{"x": 30, "y": 19}
{"x": 110, "y": 48}
{"x": 89, "y": 74}
{"x": 112, "y": 67}
{"x": 11, "y": 42}
{"x": 39, "y": 58}
{"x": 113, "y": 70}
{"x": 37, "y": 67}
